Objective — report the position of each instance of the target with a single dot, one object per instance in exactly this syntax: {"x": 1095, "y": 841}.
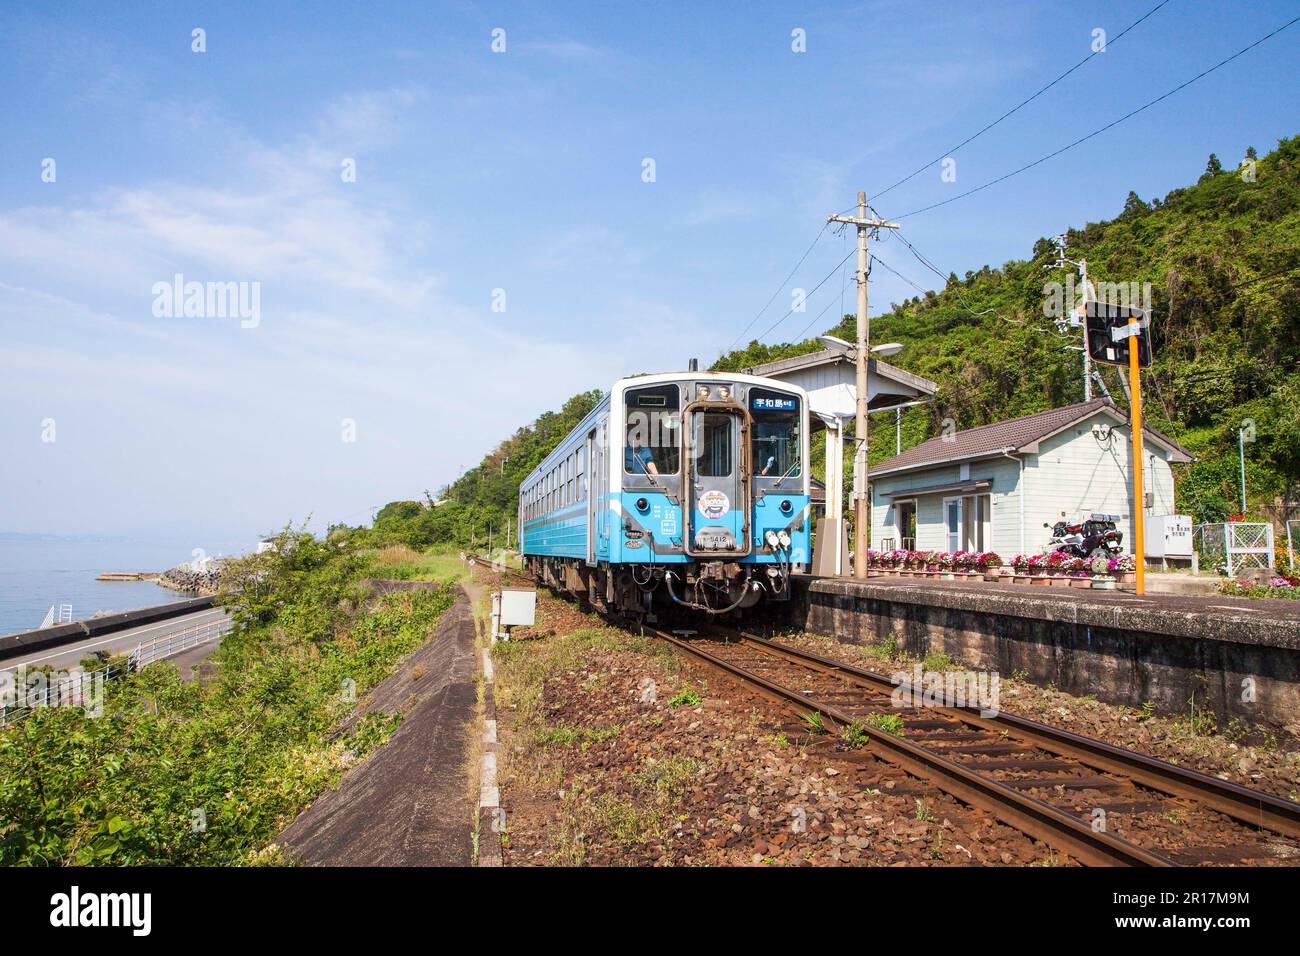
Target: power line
{"x": 751, "y": 322}
{"x": 824, "y": 310}
{"x": 921, "y": 258}
{"x": 1022, "y": 103}
{"x": 1110, "y": 125}
{"x": 783, "y": 284}
{"x": 875, "y": 258}
{"x": 813, "y": 290}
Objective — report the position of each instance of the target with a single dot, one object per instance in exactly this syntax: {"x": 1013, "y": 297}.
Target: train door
{"x": 717, "y": 484}
{"x": 594, "y": 461}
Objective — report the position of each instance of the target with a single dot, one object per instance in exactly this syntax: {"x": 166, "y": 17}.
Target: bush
{"x": 178, "y": 772}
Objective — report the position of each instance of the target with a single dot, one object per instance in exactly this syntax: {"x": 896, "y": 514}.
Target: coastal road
{"x": 125, "y": 641}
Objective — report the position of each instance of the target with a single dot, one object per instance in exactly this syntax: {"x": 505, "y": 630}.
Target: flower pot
{"x": 1103, "y": 584}
{"x": 988, "y": 576}
{"x": 1060, "y": 581}
{"x": 1041, "y": 580}
{"x": 1021, "y": 579}
{"x": 1084, "y": 583}
{"x": 947, "y": 576}
{"x": 1129, "y": 577}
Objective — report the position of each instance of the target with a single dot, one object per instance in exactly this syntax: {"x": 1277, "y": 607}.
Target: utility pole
{"x": 1241, "y": 452}
{"x": 1066, "y": 320}
{"x": 861, "y": 503}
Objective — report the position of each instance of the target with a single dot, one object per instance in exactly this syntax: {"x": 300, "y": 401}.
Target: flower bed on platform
{"x": 1054, "y": 569}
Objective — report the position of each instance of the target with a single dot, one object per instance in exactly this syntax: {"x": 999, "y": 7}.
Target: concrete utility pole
{"x": 1061, "y": 260}
{"x": 861, "y": 503}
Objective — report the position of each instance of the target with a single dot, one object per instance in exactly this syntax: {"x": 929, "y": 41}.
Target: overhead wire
{"x": 1111, "y": 125}
{"x": 1022, "y": 103}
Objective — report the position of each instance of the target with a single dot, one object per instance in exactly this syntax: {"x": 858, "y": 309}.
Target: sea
{"x": 40, "y": 571}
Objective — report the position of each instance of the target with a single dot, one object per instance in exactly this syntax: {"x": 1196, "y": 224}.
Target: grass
{"x": 937, "y": 662}
{"x": 566, "y": 735}
{"x": 855, "y": 735}
{"x": 402, "y": 563}
{"x": 814, "y": 721}
{"x": 889, "y": 723}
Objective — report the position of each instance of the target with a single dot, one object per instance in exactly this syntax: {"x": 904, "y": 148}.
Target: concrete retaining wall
{"x": 25, "y": 641}
{"x": 1125, "y": 654}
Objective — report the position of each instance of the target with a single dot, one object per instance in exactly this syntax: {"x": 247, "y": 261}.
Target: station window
{"x": 653, "y": 433}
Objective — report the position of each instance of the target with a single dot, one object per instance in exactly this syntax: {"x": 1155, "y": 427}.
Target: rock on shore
{"x": 201, "y": 578}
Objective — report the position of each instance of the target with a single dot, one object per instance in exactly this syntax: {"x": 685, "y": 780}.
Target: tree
{"x": 1250, "y": 153}
{"x": 1134, "y": 207}
{"x": 1213, "y": 167}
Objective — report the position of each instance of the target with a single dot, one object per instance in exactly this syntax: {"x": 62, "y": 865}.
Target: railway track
{"x": 521, "y": 576}
{"x": 1100, "y": 804}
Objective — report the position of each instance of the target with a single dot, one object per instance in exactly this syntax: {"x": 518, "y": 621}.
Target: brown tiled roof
{"x": 1012, "y": 435}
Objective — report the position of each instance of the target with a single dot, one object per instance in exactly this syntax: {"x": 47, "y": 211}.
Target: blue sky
{"x": 520, "y": 171}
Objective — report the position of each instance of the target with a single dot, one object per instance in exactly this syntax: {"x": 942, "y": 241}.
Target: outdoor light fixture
{"x": 839, "y": 345}
{"x": 704, "y": 392}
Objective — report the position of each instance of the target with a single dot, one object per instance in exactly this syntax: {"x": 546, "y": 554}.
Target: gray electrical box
{"x": 512, "y": 607}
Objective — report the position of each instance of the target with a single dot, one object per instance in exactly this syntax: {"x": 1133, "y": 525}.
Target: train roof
{"x": 663, "y": 377}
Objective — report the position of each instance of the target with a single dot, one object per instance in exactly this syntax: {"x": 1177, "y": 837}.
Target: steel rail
{"x": 1025, "y": 813}
{"x": 1252, "y": 807}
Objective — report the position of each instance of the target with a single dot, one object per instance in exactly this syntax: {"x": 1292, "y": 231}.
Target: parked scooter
{"x": 1087, "y": 539}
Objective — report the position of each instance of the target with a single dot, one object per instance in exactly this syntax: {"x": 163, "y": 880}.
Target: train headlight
{"x": 642, "y": 505}
{"x": 724, "y": 393}
{"x": 704, "y": 393}
{"x": 786, "y": 506}
{"x": 784, "y": 538}
{"x": 771, "y": 539}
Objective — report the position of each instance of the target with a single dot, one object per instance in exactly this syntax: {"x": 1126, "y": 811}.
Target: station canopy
{"x": 829, "y": 376}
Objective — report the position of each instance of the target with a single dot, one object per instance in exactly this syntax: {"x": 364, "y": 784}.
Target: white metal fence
{"x": 71, "y": 687}
{"x": 1235, "y": 546}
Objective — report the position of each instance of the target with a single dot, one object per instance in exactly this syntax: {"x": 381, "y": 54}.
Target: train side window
{"x": 652, "y": 432}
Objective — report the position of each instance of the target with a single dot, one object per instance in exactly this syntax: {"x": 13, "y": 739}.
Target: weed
{"x": 814, "y": 722}
{"x": 923, "y": 811}
{"x": 936, "y": 662}
{"x": 686, "y": 697}
{"x": 855, "y": 736}
{"x": 889, "y": 723}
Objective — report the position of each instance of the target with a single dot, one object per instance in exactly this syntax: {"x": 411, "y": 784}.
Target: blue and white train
{"x": 684, "y": 489}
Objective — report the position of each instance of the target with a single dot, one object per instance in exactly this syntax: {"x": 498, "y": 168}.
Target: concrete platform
{"x": 1237, "y": 657}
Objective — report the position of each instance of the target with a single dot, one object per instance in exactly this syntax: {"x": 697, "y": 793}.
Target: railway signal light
{"x": 1110, "y": 333}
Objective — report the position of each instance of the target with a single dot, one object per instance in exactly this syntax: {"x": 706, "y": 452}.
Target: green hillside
{"x": 486, "y": 496}
{"x": 1223, "y": 260}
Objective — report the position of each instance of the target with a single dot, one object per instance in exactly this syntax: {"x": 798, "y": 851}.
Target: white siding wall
{"x": 1072, "y": 476}
{"x": 1075, "y": 475}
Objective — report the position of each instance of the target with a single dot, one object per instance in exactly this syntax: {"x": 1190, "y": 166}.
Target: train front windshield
{"x": 775, "y": 439}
